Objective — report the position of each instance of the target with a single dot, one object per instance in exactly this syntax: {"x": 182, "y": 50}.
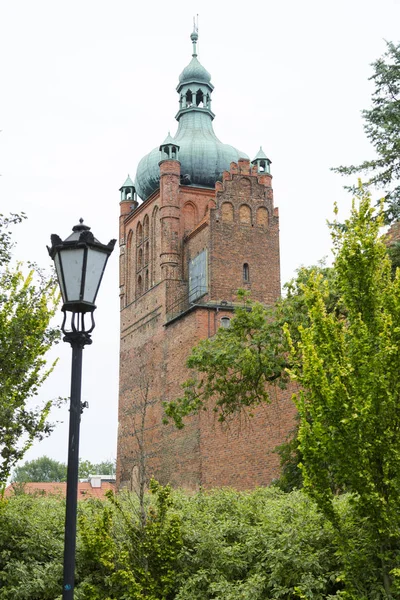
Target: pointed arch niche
{"x": 155, "y": 247}
{"x": 227, "y": 212}
{"x": 189, "y": 217}
{"x": 262, "y": 217}
{"x": 130, "y": 268}
{"x": 146, "y": 227}
{"x": 245, "y": 214}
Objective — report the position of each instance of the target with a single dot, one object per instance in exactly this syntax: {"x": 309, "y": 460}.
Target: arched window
{"x": 189, "y": 217}
{"x": 146, "y": 227}
{"x": 139, "y": 289}
{"x": 140, "y": 259}
{"x": 189, "y": 98}
{"x": 139, "y": 234}
{"x": 225, "y": 322}
{"x": 130, "y": 268}
{"x": 155, "y": 272}
{"x": 227, "y": 212}
{"x": 245, "y": 214}
{"x": 146, "y": 253}
{"x": 199, "y": 98}
{"x": 262, "y": 217}
{"x": 246, "y": 272}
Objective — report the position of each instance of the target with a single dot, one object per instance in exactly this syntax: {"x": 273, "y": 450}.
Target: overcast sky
{"x": 88, "y": 88}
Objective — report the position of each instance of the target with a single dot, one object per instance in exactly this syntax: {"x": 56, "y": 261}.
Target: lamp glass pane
{"x": 60, "y": 276}
{"x": 72, "y": 263}
{"x": 96, "y": 261}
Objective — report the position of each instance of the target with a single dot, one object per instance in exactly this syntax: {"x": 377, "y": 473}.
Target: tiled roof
{"x": 85, "y": 490}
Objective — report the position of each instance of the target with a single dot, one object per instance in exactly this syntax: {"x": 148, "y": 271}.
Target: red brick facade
{"x": 237, "y": 226}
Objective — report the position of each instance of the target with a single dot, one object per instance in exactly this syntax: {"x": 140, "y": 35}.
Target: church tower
{"x": 206, "y": 226}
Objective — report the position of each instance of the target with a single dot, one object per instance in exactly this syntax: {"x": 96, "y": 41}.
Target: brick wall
{"x": 237, "y": 224}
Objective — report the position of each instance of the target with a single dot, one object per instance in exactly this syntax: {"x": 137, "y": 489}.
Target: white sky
{"x": 88, "y": 88}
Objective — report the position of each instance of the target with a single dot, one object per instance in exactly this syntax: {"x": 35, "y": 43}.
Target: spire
{"x": 194, "y": 36}
{"x": 128, "y": 182}
{"x": 194, "y": 87}
{"x": 260, "y": 155}
{"x": 169, "y": 149}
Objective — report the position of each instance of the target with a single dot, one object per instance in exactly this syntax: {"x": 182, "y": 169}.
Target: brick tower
{"x": 205, "y": 227}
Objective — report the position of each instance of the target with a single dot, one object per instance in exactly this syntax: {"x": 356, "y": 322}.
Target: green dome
{"x": 194, "y": 72}
{"x": 201, "y": 154}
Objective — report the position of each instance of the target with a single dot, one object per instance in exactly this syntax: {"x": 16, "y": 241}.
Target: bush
{"x": 220, "y": 545}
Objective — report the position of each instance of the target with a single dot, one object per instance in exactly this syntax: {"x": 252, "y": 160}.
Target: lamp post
{"x": 80, "y": 261}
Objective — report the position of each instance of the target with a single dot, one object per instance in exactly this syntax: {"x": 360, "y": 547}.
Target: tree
{"x": 236, "y": 368}
{"x": 27, "y": 304}
{"x": 135, "y": 427}
{"x": 347, "y": 366}
{"x": 48, "y": 469}
{"x": 382, "y": 127}
{"x": 41, "y": 469}
{"x": 86, "y": 468}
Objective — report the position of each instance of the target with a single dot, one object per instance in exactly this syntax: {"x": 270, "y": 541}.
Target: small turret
{"x": 263, "y": 163}
{"x": 169, "y": 149}
{"x": 128, "y": 193}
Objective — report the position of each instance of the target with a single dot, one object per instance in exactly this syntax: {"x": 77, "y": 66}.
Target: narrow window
{"x": 146, "y": 227}
{"x": 139, "y": 234}
{"x": 139, "y": 288}
{"x": 140, "y": 259}
{"x": 225, "y": 322}
{"x": 246, "y": 273}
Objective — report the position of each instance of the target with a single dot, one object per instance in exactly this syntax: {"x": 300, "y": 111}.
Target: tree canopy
{"x": 40, "y": 469}
{"x": 347, "y": 367}
{"x": 48, "y": 469}
{"x": 382, "y": 127}
{"x": 28, "y": 300}
{"x": 236, "y": 368}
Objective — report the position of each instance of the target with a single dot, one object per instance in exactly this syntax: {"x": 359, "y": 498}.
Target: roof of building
{"x": 168, "y": 140}
{"x": 128, "y": 183}
{"x": 85, "y": 489}
{"x": 260, "y": 155}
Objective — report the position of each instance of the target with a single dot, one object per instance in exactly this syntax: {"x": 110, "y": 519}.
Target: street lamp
{"x": 80, "y": 261}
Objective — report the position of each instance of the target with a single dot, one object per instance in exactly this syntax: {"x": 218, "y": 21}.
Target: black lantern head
{"x": 80, "y": 261}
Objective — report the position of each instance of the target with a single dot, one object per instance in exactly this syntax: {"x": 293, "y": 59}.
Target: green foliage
{"x": 86, "y": 468}
{"x": 31, "y": 548}
{"x": 290, "y": 455}
{"x": 27, "y": 303}
{"x": 236, "y": 368}
{"x": 347, "y": 365}
{"x": 394, "y": 255}
{"x": 132, "y": 561}
{"x": 206, "y": 546}
{"x": 254, "y": 546}
{"x": 40, "y": 469}
{"x": 48, "y": 469}
{"x": 235, "y": 365}
{"x": 382, "y": 127}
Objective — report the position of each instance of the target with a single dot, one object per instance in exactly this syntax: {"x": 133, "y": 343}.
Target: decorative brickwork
{"x": 236, "y": 227}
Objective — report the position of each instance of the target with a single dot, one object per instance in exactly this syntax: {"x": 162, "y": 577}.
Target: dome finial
{"x": 194, "y": 36}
